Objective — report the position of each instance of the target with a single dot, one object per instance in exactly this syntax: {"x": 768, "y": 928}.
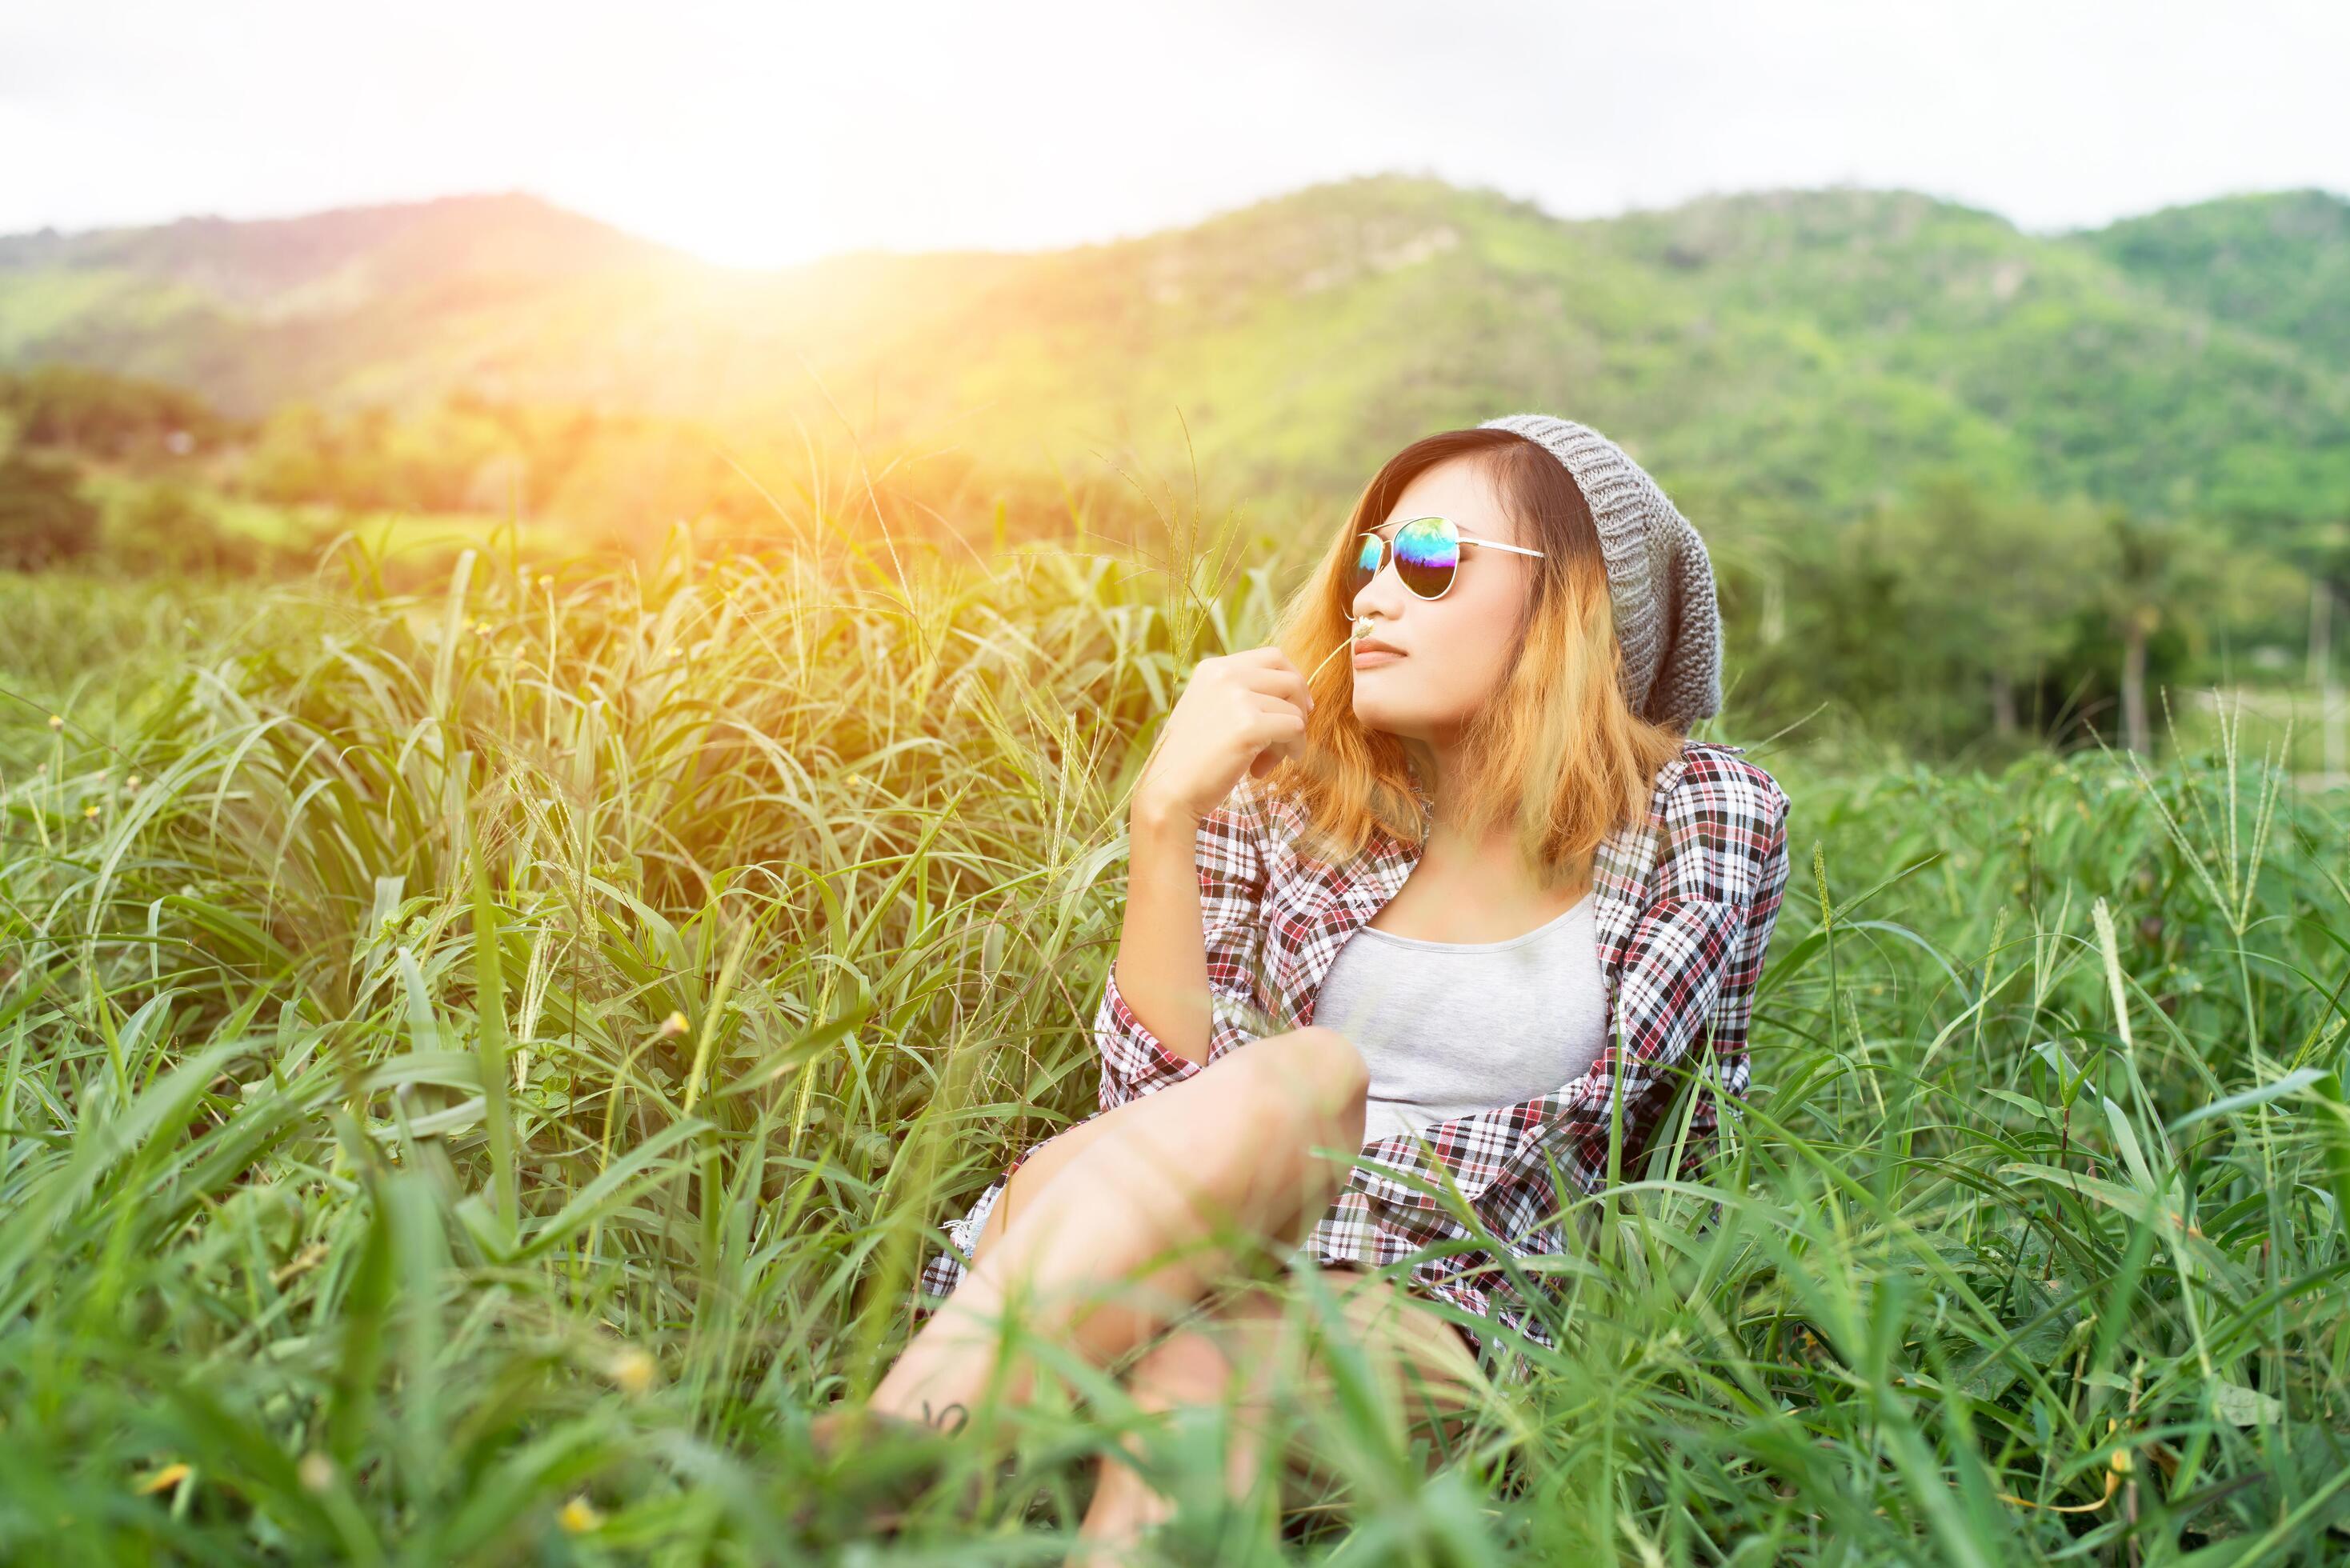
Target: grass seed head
{"x": 164, "y": 1480}
{"x": 632, "y": 1370}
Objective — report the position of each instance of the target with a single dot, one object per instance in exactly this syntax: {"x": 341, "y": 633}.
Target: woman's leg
{"x": 1252, "y": 1351}
{"x": 1146, "y": 1192}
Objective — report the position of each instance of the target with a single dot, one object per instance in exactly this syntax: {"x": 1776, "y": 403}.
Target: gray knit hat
{"x": 1660, "y": 580}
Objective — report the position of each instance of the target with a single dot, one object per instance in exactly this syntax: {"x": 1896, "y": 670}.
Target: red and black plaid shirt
{"x": 1684, "y": 905}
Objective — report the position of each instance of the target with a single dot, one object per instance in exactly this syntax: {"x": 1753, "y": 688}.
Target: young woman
{"x": 1460, "y": 904}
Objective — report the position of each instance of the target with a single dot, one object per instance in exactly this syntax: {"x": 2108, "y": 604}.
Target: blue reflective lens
{"x": 1427, "y": 554}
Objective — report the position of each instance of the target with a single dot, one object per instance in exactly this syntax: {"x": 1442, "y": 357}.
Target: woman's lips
{"x": 1365, "y": 659}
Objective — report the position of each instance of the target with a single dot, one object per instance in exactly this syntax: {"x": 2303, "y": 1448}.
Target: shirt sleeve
{"x": 1719, "y": 872}
{"x": 1229, "y": 859}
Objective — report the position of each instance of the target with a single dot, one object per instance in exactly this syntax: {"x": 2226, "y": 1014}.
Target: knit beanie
{"x": 1660, "y": 580}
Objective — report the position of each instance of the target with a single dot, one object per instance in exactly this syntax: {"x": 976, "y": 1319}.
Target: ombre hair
{"x": 1557, "y": 749}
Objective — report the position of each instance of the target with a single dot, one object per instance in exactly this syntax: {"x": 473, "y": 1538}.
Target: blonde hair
{"x": 1557, "y": 749}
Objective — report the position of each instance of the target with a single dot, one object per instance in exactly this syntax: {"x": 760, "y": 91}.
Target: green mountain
{"x": 2277, "y": 263}
{"x": 320, "y": 263}
{"x": 253, "y": 312}
{"x": 1776, "y": 355}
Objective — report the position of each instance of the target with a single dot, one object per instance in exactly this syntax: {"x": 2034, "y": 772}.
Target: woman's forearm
{"x": 1163, "y": 959}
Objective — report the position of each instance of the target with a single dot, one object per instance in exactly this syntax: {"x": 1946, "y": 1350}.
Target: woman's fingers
{"x": 1278, "y": 729}
{"x": 1278, "y": 678}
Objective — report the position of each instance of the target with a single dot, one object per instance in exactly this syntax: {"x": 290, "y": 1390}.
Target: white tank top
{"x": 1453, "y": 1028}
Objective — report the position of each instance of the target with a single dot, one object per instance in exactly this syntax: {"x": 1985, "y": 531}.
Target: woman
{"x": 1455, "y": 906}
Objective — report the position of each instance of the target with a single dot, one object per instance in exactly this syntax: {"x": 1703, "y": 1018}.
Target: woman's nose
{"x": 1381, "y": 591}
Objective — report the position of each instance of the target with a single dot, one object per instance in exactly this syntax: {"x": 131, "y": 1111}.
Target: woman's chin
{"x": 1382, "y": 716}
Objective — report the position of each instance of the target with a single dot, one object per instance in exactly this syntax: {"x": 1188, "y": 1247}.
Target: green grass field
{"x": 478, "y": 1067}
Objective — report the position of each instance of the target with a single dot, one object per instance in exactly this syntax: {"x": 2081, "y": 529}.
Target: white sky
{"x": 769, "y": 132}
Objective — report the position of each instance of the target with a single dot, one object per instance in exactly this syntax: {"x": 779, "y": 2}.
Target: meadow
{"x": 480, "y": 1064}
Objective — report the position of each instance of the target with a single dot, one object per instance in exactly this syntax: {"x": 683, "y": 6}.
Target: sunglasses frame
{"x": 1387, "y": 555}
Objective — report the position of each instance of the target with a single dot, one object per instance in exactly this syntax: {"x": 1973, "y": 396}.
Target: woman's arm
{"x": 1196, "y": 875}
{"x": 1182, "y": 989}
{"x": 1161, "y": 966}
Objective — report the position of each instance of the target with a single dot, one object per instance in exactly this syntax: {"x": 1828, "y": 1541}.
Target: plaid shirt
{"x": 1684, "y": 905}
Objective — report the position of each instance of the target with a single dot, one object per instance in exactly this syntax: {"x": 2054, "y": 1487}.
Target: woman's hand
{"x": 1240, "y": 712}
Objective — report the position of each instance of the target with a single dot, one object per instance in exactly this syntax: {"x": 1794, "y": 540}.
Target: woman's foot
{"x": 830, "y": 1430}
{"x": 887, "y": 1460}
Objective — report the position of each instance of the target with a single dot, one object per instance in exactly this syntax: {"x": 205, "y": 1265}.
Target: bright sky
{"x": 763, "y": 133}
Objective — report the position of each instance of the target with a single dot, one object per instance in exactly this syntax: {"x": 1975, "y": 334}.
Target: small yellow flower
{"x": 57, "y": 720}
{"x": 672, "y": 651}
{"x": 315, "y": 1472}
{"x": 165, "y": 1478}
{"x": 674, "y": 1025}
{"x": 580, "y": 1516}
{"x": 131, "y": 782}
{"x": 481, "y": 629}
{"x": 91, "y": 812}
{"x": 632, "y": 1370}
{"x": 546, "y": 579}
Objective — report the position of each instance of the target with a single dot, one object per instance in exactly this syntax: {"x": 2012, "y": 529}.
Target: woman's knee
{"x": 1037, "y": 1167}
{"x": 1313, "y": 1078}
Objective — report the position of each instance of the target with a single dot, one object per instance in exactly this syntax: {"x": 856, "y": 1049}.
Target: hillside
{"x": 253, "y": 312}
{"x": 327, "y": 261}
{"x": 2277, "y": 263}
{"x": 1777, "y": 353}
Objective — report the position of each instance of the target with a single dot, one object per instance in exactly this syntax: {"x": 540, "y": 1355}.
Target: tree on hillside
{"x": 2323, "y": 551}
{"x": 1998, "y": 579}
{"x": 44, "y": 520}
{"x": 295, "y": 458}
{"x": 1954, "y": 596}
{"x": 2181, "y": 575}
{"x": 165, "y": 529}
{"x": 101, "y": 415}
{"x": 2151, "y": 575}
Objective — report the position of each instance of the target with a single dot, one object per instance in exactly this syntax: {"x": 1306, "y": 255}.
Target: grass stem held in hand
{"x": 1362, "y": 629}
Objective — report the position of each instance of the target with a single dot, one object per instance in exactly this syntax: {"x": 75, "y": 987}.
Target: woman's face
{"x": 1456, "y": 649}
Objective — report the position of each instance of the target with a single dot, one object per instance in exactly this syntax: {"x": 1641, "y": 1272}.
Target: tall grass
{"x": 500, "y": 1066}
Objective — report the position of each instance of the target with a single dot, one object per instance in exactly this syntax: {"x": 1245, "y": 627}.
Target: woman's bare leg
{"x": 1231, "y": 1145}
{"x": 1252, "y": 1352}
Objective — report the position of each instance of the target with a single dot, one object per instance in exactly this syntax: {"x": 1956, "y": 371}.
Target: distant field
{"x": 386, "y": 533}
{"x": 2289, "y": 724}
{"x": 360, "y": 1201}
